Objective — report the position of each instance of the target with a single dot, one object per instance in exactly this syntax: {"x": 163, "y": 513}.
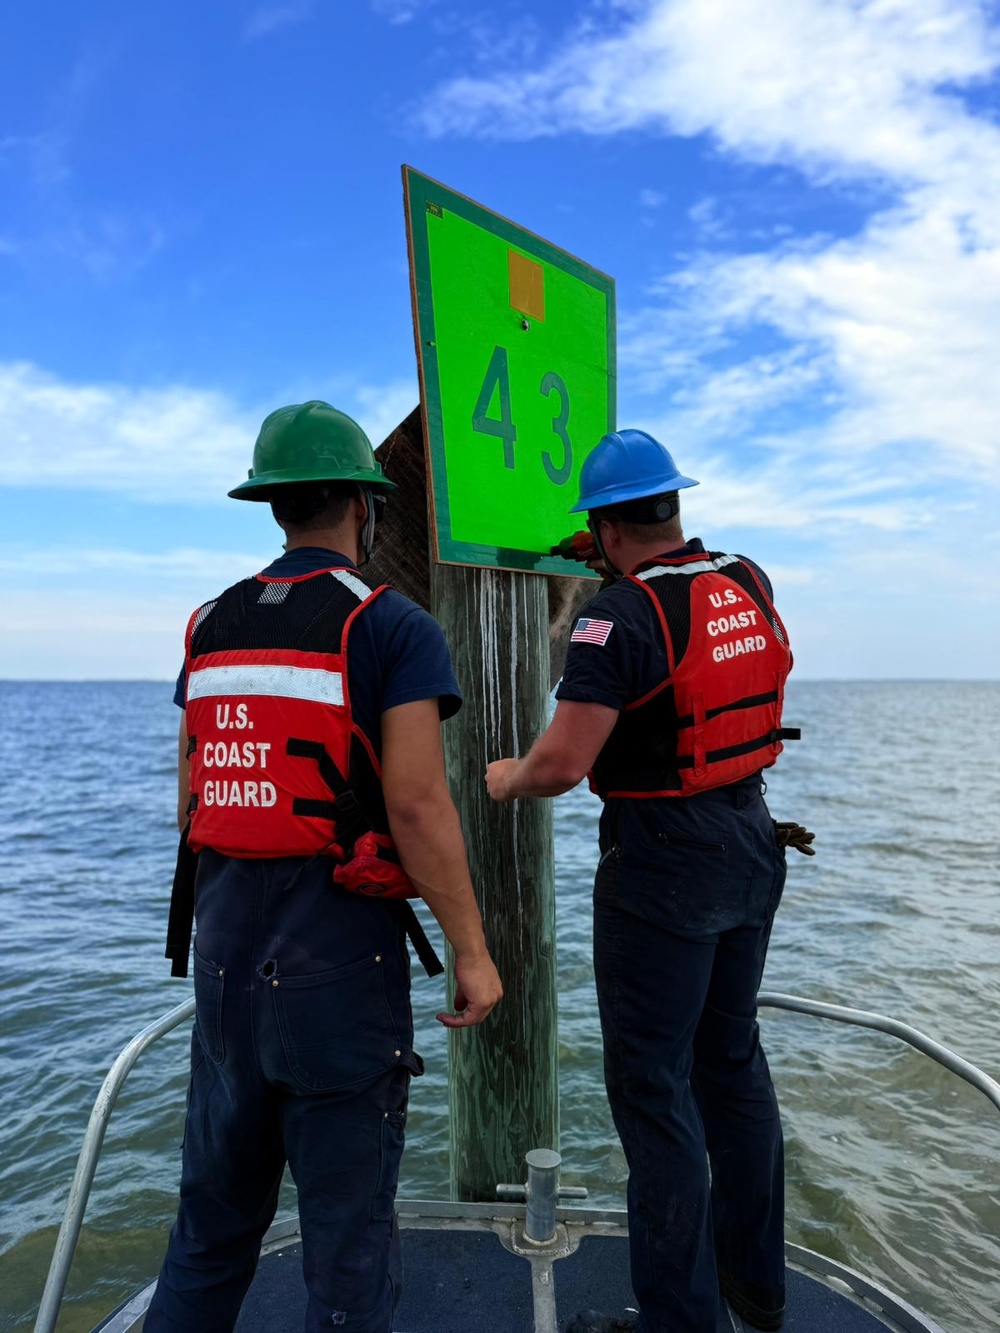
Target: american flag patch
{"x": 592, "y": 631}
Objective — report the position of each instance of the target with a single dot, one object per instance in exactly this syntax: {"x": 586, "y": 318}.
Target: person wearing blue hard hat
{"x": 671, "y": 702}
{"x": 627, "y": 465}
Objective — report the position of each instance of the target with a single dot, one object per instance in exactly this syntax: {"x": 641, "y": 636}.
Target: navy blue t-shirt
{"x": 633, "y": 659}
{"x": 397, "y": 651}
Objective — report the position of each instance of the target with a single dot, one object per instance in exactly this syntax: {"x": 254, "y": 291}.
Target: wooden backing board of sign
{"x": 402, "y": 555}
{"x": 503, "y": 1075}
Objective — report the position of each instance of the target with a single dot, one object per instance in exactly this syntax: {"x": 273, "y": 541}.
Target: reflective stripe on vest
{"x": 315, "y": 684}
{"x": 695, "y": 565}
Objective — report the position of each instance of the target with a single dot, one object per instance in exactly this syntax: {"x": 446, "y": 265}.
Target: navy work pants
{"x": 301, "y": 1053}
{"x": 684, "y": 900}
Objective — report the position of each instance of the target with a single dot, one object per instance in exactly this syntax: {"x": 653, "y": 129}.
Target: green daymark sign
{"x": 516, "y": 351}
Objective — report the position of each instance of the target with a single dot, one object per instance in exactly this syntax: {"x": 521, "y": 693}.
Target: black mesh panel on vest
{"x": 308, "y": 619}
{"x": 674, "y": 594}
{"x": 743, "y": 576}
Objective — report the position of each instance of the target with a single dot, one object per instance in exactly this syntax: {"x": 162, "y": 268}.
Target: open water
{"x": 892, "y": 1162}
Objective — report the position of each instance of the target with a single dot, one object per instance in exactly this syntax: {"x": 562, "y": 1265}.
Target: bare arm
{"x": 560, "y": 757}
{"x": 426, "y": 830}
{"x": 183, "y": 774}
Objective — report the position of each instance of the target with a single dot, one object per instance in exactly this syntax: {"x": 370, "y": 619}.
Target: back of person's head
{"x": 312, "y": 506}
{"x": 654, "y": 518}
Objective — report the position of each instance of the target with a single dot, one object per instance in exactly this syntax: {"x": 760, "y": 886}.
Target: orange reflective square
{"x": 527, "y": 285}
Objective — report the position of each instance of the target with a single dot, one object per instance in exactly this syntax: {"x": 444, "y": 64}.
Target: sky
{"x": 201, "y": 219}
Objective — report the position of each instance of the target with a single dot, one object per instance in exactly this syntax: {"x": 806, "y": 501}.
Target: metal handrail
{"x": 86, "y": 1166}
{"x": 862, "y": 1018}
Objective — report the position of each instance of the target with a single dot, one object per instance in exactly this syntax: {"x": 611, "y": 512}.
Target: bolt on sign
{"x": 516, "y": 351}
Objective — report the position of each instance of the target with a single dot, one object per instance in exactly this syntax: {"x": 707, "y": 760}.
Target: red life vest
{"x": 271, "y": 738}
{"x": 716, "y": 718}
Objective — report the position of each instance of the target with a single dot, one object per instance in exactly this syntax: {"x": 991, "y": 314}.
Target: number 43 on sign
{"x": 516, "y": 342}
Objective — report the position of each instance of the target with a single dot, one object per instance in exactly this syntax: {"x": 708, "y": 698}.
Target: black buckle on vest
{"x": 345, "y": 809}
{"x": 352, "y": 821}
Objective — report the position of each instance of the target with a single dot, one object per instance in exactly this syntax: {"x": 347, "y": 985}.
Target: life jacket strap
{"x": 746, "y": 747}
{"x": 345, "y": 809}
{"x": 750, "y": 701}
{"x": 422, "y": 946}
{"x": 181, "y": 919}
{"x": 350, "y": 822}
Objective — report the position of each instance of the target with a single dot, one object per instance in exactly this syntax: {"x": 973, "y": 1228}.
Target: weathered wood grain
{"x": 507, "y": 633}
{"x": 401, "y": 550}
{"x": 503, "y": 1075}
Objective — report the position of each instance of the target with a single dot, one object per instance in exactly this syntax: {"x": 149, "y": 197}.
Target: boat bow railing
{"x": 72, "y": 1223}
{"x": 86, "y": 1166}
{"x": 861, "y": 1018}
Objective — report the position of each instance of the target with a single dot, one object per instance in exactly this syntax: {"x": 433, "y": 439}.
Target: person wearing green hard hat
{"x": 313, "y": 804}
{"x": 671, "y": 702}
{"x": 307, "y": 453}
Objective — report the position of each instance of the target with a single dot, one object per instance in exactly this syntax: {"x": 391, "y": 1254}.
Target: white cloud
{"x": 895, "y": 339}
{"x": 398, "y": 11}
{"x": 269, "y": 18}
{"x": 787, "y": 576}
{"x": 107, "y": 243}
{"x": 175, "y": 443}
{"x": 824, "y": 83}
{"x": 381, "y": 408}
{"x": 45, "y": 154}
{"x": 87, "y": 635}
{"x": 883, "y": 387}
{"x": 191, "y": 565}
{"x": 705, "y": 215}
{"x": 151, "y": 443}
{"x": 109, "y": 246}
{"x": 47, "y": 151}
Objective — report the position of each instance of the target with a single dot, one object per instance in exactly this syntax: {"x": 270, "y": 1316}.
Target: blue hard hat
{"x": 627, "y": 465}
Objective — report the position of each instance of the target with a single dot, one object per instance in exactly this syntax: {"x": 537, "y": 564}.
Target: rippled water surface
{"x": 892, "y": 1163}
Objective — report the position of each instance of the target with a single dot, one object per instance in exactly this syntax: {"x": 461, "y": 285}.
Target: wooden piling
{"x": 507, "y": 633}
{"x": 503, "y": 1088}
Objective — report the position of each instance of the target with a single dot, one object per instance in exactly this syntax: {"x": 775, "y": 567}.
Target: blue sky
{"x": 201, "y": 219}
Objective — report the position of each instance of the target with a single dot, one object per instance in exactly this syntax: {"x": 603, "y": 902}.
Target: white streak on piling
{"x": 492, "y": 703}
{"x": 502, "y": 1087}
{"x": 515, "y": 599}
{"x": 495, "y": 706}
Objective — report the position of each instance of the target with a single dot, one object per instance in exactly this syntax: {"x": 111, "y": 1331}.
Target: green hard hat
{"x": 309, "y": 442}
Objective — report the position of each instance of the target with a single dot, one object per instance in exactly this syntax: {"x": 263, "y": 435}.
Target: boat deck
{"x": 469, "y": 1269}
